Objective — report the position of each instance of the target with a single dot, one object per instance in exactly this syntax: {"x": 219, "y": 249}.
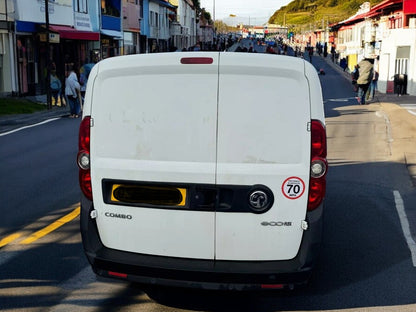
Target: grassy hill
{"x": 316, "y": 14}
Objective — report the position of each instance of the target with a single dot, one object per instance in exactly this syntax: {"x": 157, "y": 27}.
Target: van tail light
{"x": 197, "y": 60}
{"x": 319, "y": 165}
{"x": 83, "y": 157}
{"x": 117, "y": 274}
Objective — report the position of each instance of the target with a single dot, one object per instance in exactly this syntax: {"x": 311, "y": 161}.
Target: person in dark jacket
{"x": 364, "y": 78}
{"x": 354, "y": 77}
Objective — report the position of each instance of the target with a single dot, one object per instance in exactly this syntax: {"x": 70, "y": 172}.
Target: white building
{"x": 131, "y": 27}
{"x": 159, "y": 26}
{"x": 186, "y": 18}
{"x": 8, "y": 80}
{"x": 386, "y": 31}
{"x": 397, "y": 56}
{"x": 206, "y": 35}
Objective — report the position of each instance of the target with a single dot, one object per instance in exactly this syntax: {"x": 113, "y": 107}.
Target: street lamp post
{"x": 213, "y": 10}
{"x": 249, "y": 18}
{"x": 48, "y": 70}
{"x": 213, "y": 18}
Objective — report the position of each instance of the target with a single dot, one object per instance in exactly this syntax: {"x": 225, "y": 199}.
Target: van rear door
{"x": 154, "y": 125}
{"x": 263, "y": 139}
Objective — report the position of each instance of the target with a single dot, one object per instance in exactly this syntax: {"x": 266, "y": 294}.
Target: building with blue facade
{"x": 74, "y": 37}
{"x": 78, "y": 32}
{"x": 111, "y": 31}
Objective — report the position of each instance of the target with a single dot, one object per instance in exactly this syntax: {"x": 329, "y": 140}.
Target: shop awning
{"x": 67, "y": 32}
{"x": 112, "y": 33}
{"x": 165, "y": 4}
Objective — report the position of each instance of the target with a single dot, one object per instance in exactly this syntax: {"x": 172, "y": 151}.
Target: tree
{"x": 197, "y": 7}
{"x": 223, "y": 28}
{"x": 332, "y": 3}
{"x": 207, "y": 16}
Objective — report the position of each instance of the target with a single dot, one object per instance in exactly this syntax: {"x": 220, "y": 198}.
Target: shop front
{"x": 26, "y": 57}
{"x": 111, "y": 41}
{"x": 72, "y": 47}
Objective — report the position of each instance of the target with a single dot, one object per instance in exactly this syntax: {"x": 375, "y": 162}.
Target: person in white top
{"x": 72, "y": 92}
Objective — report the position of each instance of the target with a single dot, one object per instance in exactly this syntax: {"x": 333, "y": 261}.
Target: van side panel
{"x": 86, "y": 109}
{"x": 317, "y": 109}
{"x": 153, "y": 123}
{"x": 263, "y": 138}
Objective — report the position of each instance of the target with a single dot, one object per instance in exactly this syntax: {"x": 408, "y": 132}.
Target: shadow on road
{"x": 365, "y": 261}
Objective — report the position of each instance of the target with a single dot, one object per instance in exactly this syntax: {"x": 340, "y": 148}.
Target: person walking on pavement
{"x": 373, "y": 84}
{"x": 310, "y": 52}
{"x": 84, "y": 73}
{"x": 72, "y": 92}
{"x": 364, "y": 79}
{"x": 354, "y": 77}
{"x": 56, "y": 87}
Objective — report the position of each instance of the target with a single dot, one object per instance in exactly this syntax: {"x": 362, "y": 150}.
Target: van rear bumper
{"x": 203, "y": 274}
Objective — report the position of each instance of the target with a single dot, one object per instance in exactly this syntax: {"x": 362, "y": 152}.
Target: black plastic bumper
{"x": 205, "y": 274}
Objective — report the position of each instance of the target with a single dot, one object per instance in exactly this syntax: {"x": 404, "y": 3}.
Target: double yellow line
{"x": 43, "y": 232}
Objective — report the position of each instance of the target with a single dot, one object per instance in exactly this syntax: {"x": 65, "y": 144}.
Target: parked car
{"x": 189, "y": 179}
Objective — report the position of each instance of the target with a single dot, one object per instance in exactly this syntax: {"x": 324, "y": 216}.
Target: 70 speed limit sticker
{"x": 293, "y": 187}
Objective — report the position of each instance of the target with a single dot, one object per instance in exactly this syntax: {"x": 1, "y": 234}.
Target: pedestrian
{"x": 325, "y": 49}
{"x": 84, "y": 73}
{"x": 373, "y": 85}
{"x": 310, "y": 52}
{"x": 319, "y": 48}
{"x": 354, "y": 77}
{"x": 333, "y": 52}
{"x": 400, "y": 84}
{"x": 364, "y": 79}
{"x": 343, "y": 63}
{"x": 56, "y": 88}
{"x": 270, "y": 50}
{"x": 73, "y": 92}
{"x": 374, "y": 81}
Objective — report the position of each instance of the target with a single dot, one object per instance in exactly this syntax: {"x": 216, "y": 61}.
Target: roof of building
{"x": 380, "y": 9}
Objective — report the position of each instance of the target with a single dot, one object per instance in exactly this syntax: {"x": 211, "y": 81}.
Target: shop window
{"x": 402, "y": 60}
{"x": 395, "y": 22}
{"x": 154, "y": 19}
{"x": 81, "y": 6}
{"x": 401, "y": 66}
{"x": 108, "y": 7}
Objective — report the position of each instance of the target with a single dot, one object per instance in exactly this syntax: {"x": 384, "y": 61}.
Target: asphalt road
{"x": 366, "y": 263}
{"x": 39, "y": 174}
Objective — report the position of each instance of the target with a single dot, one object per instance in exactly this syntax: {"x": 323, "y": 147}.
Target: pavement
{"x": 401, "y": 123}
{"x": 379, "y": 97}
{"x": 12, "y": 122}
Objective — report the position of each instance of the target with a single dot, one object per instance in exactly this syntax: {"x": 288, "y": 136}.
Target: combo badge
{"x": 293, "y": 187}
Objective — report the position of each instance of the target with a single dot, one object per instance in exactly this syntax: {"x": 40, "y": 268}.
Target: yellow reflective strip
{"x": 52, "y": 227}
{"x": 115, "y": 186}
{"x": 183, "y": 193}
{"x": 8, "y": 239}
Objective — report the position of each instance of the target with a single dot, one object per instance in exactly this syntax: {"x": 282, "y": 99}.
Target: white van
{"x": 203, "y": 169}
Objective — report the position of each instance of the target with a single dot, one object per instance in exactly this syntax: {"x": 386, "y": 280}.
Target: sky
{"x": 255, "y": 12}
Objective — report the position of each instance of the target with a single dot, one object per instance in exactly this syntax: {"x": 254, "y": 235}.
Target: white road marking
{"x": 405, "y": 225}
{"x": 30, "y": 126}
{"x": 340, "y": 99}
{"x": 411, "y": 108}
